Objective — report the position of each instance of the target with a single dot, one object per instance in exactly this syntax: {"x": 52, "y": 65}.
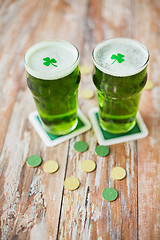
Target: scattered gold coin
{"x": 149, "y": 85}
{"x": 88, "y": 165}
{"x": 71, "y": 183}
{"x": 118, "y": 173}
{"x": 85, "y": 69}
{"x": 50, "y": 166}
{"x": 87, "y": 94}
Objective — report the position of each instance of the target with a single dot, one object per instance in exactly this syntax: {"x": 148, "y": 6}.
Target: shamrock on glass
{"x": 53, "y": 78}
{"x": 120, "y": 73}
{"x": 48, "y": 61}
{"x": 119, "y": 58}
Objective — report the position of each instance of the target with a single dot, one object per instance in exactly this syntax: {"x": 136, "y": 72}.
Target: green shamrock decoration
{"x": 48, "y": 61}
{"x": 119, "y": 57}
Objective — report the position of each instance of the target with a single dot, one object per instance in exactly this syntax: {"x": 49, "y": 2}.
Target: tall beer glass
{"x": 119, "y": 75}
{"x": 53, "y": 77}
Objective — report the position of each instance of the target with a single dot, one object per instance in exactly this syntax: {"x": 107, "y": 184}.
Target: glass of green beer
{"x": 53, "y": 78}
{"x": 119, "y": 75}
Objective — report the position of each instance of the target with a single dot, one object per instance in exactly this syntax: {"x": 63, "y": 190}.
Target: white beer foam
{"x": 63, "y": 52}
{"x": 136, "y": 56}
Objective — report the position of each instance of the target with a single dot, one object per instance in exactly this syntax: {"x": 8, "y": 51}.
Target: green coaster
{"x": 81, "y": 146}
{"x": 102, "y": 150}
{"x": 51, "y": 140}
{"x": 34, "y": 161}
{"x": 109, "y": 194}
{"x": 105, "y": 138}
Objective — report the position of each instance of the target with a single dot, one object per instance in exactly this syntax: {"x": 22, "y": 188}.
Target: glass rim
{"x": 104, "y": 70}
{"x": 50, "y": 76}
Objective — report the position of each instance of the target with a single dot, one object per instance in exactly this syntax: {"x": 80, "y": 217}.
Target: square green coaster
{"x": 52, "y": 140}
{"x": 105, "y": 138}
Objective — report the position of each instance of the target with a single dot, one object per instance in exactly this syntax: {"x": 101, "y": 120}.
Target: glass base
{"x": 61, "y": 129}
{"x": 117, "y": 128}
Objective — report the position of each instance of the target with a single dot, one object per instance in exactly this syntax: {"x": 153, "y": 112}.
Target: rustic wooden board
{"x": 92, "y": 217}
{"x": 33, "y": 204}
{"x": 147, "y": 30}
{"x": 30, "y": 207}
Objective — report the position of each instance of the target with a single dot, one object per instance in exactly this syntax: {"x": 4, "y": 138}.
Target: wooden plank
{"x": 147, "y": 15}
{"x": 31, "y": 200}
{"x": 85, "y": 215}
{"x": 16, "y": 20}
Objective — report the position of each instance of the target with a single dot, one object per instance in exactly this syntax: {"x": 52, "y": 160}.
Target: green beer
{"x": 53, "y": 77}
{"x": 120, "y": 74}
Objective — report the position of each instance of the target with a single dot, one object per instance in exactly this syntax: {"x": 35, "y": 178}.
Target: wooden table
{"x": 33, "y": 204}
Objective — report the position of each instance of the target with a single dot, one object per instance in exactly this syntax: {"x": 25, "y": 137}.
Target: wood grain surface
{"x": 34, "y": 205}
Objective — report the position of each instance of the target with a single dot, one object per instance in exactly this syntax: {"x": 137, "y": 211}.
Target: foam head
{"x": 50, "y": 60}
{"x": 120, "y": 57}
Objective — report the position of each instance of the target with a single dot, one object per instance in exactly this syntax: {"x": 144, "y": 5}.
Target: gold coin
{"x": 87, "y": 94}
{"x": 88, "y": 165}
{"x": 149, "y": 85}
{"x": 118, "y": 173}
{"x": 71, "y": 183}
{"x": 50, "y": 166}
{"x": 85, "y": 69}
